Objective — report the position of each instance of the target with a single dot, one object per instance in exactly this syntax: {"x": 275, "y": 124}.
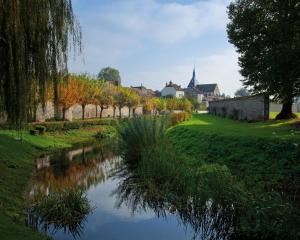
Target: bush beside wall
{"x": 179, "y": 117}
{"x": 62, "y": 125}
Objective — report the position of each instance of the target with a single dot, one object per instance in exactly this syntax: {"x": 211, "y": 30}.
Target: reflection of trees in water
{"x": 208, "y": 219}
{"x": 75, "y": 169}
{"x": 56, "y": 196}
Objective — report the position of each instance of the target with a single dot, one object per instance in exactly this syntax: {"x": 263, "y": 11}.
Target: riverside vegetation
{"x": 17, "y": 164}
{"x": 226, "y": 179}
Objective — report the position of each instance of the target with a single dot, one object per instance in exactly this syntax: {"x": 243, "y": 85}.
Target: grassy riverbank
{"x": 16, "y": 167}
{"x": 261, "y": 157}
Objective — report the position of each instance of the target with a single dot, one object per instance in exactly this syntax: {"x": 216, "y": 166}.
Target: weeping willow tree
{"x": 35, "y": 39}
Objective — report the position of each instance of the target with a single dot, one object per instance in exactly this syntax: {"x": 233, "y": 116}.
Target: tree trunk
{"x": 101, "y": 111}
{"x": 286, "y": 111}
{"x": 133, "y": 112}
{"x": 114, "y": 112}
{"x": 83, "y": 111}
{"x": 120, "y": 112}
{"x": 34, "y": 114}
{"x": 96, "y": 111}
{"x": 129, "y": 111}
{"x": 64, "y": 114}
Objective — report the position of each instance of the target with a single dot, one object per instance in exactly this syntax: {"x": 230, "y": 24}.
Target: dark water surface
{"x": 92, "y": 170}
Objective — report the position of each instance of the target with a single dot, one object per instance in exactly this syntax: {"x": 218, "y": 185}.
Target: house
{"x": 210, "y": 91}
{"x": 172, "y": 90}
{"x": 202, "y": 92}
{"x": 144, "y": 92}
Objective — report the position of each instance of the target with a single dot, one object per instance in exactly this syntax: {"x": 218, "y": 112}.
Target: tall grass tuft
{"x": 137, "y": 134}
{"x": 63, "y": 210}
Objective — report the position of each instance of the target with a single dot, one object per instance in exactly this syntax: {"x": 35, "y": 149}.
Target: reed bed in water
{"x": 63, "y": 210}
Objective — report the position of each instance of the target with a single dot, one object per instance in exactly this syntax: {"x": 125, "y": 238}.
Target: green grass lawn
{"x": 208, "y": 124}
{"x": 273, "y": 114}
{"x": 264, "y": 157}
{"x": 17, "y": 165}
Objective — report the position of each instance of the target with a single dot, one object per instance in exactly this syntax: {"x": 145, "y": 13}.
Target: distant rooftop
{"x": 206, "y": 87}
{"x": 171, "y": 84}
{"x": 143, "y": 91}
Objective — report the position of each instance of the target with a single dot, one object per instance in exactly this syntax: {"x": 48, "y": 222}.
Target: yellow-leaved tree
{"x": 67, "y": 94}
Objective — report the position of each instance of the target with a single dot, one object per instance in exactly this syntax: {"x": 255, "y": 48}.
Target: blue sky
{"x": 155, "y": 41}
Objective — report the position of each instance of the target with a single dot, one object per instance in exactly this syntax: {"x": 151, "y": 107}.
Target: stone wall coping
{"x": 240, "y": 98}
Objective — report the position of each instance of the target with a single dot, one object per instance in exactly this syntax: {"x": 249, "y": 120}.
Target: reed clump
{"x": 61, "y": 210}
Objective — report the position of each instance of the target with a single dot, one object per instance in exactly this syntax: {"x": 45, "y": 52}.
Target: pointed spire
{"x": 193, "y": 81}
{"x": 194, "y": 75}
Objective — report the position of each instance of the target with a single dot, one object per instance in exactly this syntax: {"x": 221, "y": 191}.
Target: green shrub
{"x": 76, "y": 124}
{"x": 8, "y": 126}
{"x": 138, "y": 133}
{"x": 179, "y": 117}
{"x": 33, "y": 132}
{"x": 72, "y": 125}
{"x": 52, "y": 126}
{"x": 41, "y": 129}
{"x": 107, "y": 132}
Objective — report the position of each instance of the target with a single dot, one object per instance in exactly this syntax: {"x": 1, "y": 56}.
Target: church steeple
{"x": 193, "y": 81}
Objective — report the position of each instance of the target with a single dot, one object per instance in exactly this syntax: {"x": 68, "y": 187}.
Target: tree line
{"x": 83, "y": 90}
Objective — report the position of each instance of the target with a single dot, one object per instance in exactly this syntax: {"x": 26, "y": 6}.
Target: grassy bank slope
{"x": 263, "y": 157}
{"x": 266, "y": 151}
{"x": 16, "y": 167}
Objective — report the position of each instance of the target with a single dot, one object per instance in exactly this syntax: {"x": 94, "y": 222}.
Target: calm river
{"x": 92, "y": 170}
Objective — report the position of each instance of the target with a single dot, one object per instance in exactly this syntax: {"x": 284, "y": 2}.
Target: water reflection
{"x": 56, "y": 197}
{"x": 208, "y": 219}
{"x": 124, "y": 205}
{"x": 66, "y": 210}
{"x": 75, "y": 169}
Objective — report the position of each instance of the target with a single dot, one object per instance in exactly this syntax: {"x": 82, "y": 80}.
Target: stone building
{"x": 202, "y": 92}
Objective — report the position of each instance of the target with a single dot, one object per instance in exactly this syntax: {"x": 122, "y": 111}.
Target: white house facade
{"x": 172, "y": 90}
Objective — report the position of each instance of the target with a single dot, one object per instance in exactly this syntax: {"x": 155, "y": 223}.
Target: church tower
{"x": 193, "y": 83}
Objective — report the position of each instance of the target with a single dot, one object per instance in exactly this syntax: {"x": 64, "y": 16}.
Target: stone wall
{"x": 276, "y": 107}
{"x": 75, "y": 112}
{"x": 251, "y": 108}
{"x": 3, "y": 117}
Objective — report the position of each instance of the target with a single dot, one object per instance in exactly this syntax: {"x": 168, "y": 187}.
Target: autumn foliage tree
{"x": 185, "y": 105}
{"x": 172, "y": 104}
{"x": 35, "y": 38}
{"x": 68, "y": 94}
{"x": 86, "y": 91}
{"x": 148, "y": 105}
{"x": 133, "y": 101}
{"x": 121, "y": 99}
{"x": 105, "y": 98}
{"x": 161, "y": 106}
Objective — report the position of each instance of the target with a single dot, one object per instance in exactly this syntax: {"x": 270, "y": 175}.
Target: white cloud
{"x": 165, "y": 23}
{"x": 116, "y": 30}
{"x": 221, "y": 68}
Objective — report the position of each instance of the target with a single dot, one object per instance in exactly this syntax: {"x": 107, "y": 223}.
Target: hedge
{"x": 64, "y": 125}
{"x": 179, "y": 117}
